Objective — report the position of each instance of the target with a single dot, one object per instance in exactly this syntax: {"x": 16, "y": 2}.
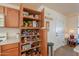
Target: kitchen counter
{"x": 10, "y": 41}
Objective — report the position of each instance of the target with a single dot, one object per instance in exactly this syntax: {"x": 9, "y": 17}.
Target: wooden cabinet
{"x": 0, "y": 50}
{"x": 9, "y": 46}
{"x": 1, "y": 9}
{"x": 38, "y": 24}
{"x": 44, "y": 42}
{"x": 12, "y": 17}
{"x": 10, "y": 50}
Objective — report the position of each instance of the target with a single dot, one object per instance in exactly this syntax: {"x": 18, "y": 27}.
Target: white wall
{"x": 71, "y": 24}
{"x": 56, "y": 24}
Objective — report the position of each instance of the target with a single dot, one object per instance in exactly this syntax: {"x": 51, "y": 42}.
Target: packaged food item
{"x": 25, "y": 13}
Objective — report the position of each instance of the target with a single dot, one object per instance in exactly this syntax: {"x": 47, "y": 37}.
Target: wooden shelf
{"x": 33, "y": 11}
{"x": 29, "y": 35}
{"x": 31, "y": 18}
{"x": 29, "y": 28}
{"x": 30, "y": 48}
{"x": 30, "y": 42}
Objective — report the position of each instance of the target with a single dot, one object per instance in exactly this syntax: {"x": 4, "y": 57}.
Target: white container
{"x": 3, "y": 36}
{"x": 17, "y": 35}
{"x": 34, "y": 23}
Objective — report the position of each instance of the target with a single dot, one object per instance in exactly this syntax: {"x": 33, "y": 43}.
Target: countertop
{"x": 10, "y": 41}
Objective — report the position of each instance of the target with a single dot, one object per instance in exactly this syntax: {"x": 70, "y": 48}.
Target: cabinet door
{"x": 0, "y": 50}
{"x": 9, "y": 46}
{"x": 1, "y": 9}
{"x": 12, "y": 17}
{"x": 11, "y": 52}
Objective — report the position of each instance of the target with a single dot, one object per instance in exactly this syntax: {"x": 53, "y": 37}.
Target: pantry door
{"x": 12, "y": 17}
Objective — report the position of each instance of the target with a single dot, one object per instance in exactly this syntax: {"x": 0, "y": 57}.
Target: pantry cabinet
{"x": 10, "y": 50}
{"x": 31, "y": 23}
{"x": 12, "y": 17}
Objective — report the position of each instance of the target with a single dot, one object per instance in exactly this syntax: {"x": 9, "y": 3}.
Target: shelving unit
{"x": 30, "y": 25}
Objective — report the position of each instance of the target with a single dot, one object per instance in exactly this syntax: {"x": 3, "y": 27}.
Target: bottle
{"x": 17, "y": 35}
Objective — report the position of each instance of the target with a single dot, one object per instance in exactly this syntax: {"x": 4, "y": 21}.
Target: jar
{"x": 36, "y": 16}
{"x": 26, "y": 24}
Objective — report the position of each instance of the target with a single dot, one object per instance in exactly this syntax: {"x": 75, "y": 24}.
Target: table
{"x": 76, "y": 49}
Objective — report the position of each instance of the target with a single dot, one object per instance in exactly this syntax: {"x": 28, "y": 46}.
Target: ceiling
{"x": 64, "y": 8}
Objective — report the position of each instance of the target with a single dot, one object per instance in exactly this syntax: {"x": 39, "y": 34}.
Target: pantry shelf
{"x": 30, "y": 48}
{"x": 31, "y": 18}
{"x": 33, "y": 11}
{"x": 30, "y": 35}
{"x": 30, "y": 28}
{"x": 30, "y": 42}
